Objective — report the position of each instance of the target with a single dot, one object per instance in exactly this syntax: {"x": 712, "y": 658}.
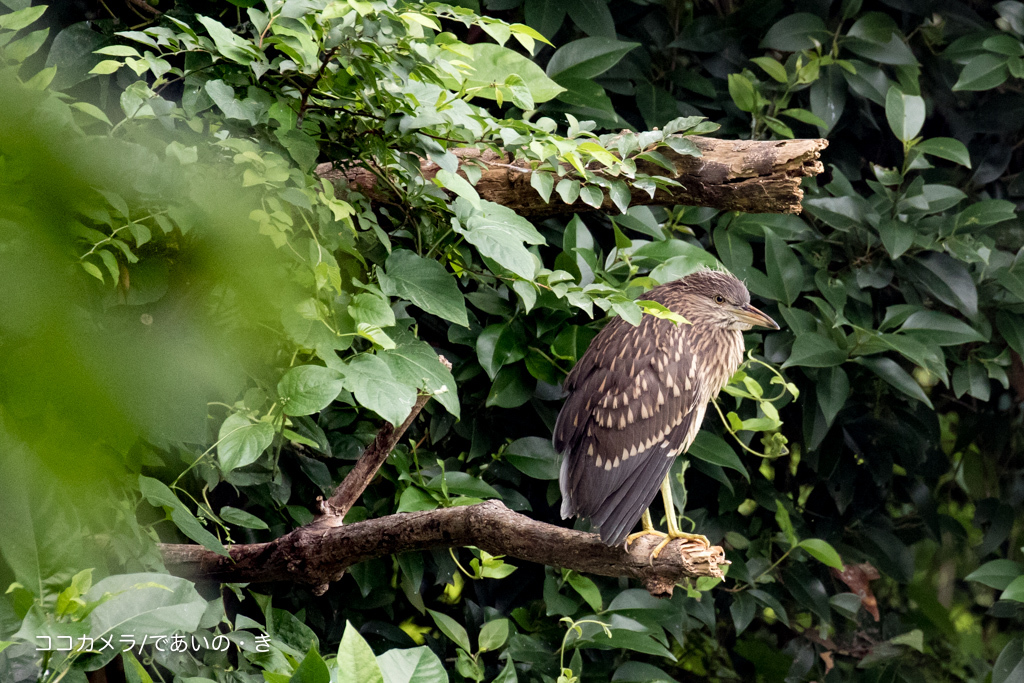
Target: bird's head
{"x": 718, "y": 299}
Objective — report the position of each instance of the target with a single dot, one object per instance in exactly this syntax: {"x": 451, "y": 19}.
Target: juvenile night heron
{"x": 637, "y": 398}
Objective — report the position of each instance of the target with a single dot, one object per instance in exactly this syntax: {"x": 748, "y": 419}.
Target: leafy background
{"x": 198, "y": 336}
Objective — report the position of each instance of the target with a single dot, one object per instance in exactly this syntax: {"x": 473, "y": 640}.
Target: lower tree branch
{"x": 756, "y": 176}
{"x": 317, "y": 556}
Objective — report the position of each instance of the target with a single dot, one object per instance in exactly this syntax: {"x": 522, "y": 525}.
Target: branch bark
{"x": 334, "y": 509}
{"x": 318, "y": 556}
{"x": 756, "y": 176}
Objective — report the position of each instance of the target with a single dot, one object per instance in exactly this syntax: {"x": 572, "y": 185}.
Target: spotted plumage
{"x": 638, "y": 395}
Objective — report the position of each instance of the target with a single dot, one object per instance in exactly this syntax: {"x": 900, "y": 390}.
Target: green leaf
{"x": 240, "y": 441}
{"x": 15, "y": 21}
{"x": 897, "y": 377}
{"x": 785, "y": 275}
{"x": 769, "y": 600}
{"x": 369, "y": 378}
{"x": 804, "y": 116}
{"x": 159, "y": 495}
{"x": 493, "y": 635}
{"x": 1009, "y": 666}
{"x": 1014, "y": 591}
{"x": 534, "y": 456}
{"x": 356, "y": 662}
{"x": 425, "y": 283}
{"x": 415, "y": 665}
{"x": 462, "y": 484}
{"x": 493, "y": 64}
{"x": 983, "y": 72}
{"x": 544, "y": 183}
{"x": 1011, "y": 326}
{"x": 998, "y": 574}
{"x": 941, "y": 329}
{"x": 460, "y": 186}
{"x": 499, "y": 345}
{"x": 508, "y": 672}
{"x": 833, "y": 389}
{"x": 499, "y": 233}
{"x": 713, "y": 449}
{"x": 455, "y": 631}
{"x": 415, "y": 364}
{"x": 685, "y": 146}
{"x": 568, "y": 190}
{"x": 896, "y": 235}
{"x": 309, "y": 389}
{"x": 984, "y": 213}
{"x": 241, "y": 518}
{"x": 785, "y": 523}
{"x": 619, "y": 193}
{"x": 592, "y": 196}
{"x": 593, "y": 18}
{"x": 134, "y": 672}
{"x": 146, "y": 604}
{"x": 813, "y": 350}
{"x": 742, "y": 92}
{"x": 823, "y": 552}
{"x": 587, "y": 57}
{"x": 905, "y": 113}
{"x": 914, "y": 639}
{"x": 512, "y": 387}
{"x": 800, "y": 31}
{"x": 946, "y": 148}
{"x": 312, "y": 669}
{"x": 587, "y": 589}
{"x": 772, "y": 67}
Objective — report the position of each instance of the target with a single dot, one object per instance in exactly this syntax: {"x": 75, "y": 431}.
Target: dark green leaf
{"x": 940, "y": 328}
{"x": 587, "y": 57}
{"x": 309, "y": 389}
{"x": 897, "y": 377}
{"x": 998, "y": 574}
{"x": 425, "y": 283}
{"x": 785, "y": 275}
{"x": 823, "y": 552}
{"x": 241, "y": 441}
{"x": 905, "y": 113}
{"x": 455, "y": 631}
{"x": 241, "y": 518}
{"x": 157, "y": 494}
{"x": 813, "y": 350}
{"x": 534, "y": 457}
{"x": 983, "y": 72}
{"x": 800, "y": 31}
{"x": 946, "y": 148}
{"x": 311, "y": 669}
{"x": 715, "y": 450}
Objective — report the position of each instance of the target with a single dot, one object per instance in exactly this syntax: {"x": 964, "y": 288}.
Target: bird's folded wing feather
{"x": 633, "y": 407}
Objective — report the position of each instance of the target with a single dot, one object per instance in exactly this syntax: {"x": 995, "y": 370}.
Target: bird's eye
{"x": 719, "y": 299}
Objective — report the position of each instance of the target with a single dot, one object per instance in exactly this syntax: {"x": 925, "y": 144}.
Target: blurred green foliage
{"x": 198, "y": 335}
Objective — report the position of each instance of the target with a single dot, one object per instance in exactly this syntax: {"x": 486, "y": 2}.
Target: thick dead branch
{"x": 319, "y": 556}
{"x": 755, "y": 176}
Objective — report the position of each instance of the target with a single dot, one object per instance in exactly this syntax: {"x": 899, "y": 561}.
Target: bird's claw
{"x": 666, "y": 539}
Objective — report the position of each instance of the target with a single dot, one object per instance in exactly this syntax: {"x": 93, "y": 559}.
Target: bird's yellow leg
{"x": 670, "y": 518}
{"x": 648, "y": 526}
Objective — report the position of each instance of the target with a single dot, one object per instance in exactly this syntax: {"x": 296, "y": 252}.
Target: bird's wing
{"x": 634, "y": 405}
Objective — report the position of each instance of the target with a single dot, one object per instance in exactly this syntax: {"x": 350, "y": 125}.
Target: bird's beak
{"x": 749, "y": 315}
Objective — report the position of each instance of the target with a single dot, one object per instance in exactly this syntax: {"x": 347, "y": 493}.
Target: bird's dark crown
{"x": 712, "y": 283}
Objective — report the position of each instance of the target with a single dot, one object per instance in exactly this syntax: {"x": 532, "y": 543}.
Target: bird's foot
{"x": 645, "y": 532}
{"x": 669, "y": 537}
